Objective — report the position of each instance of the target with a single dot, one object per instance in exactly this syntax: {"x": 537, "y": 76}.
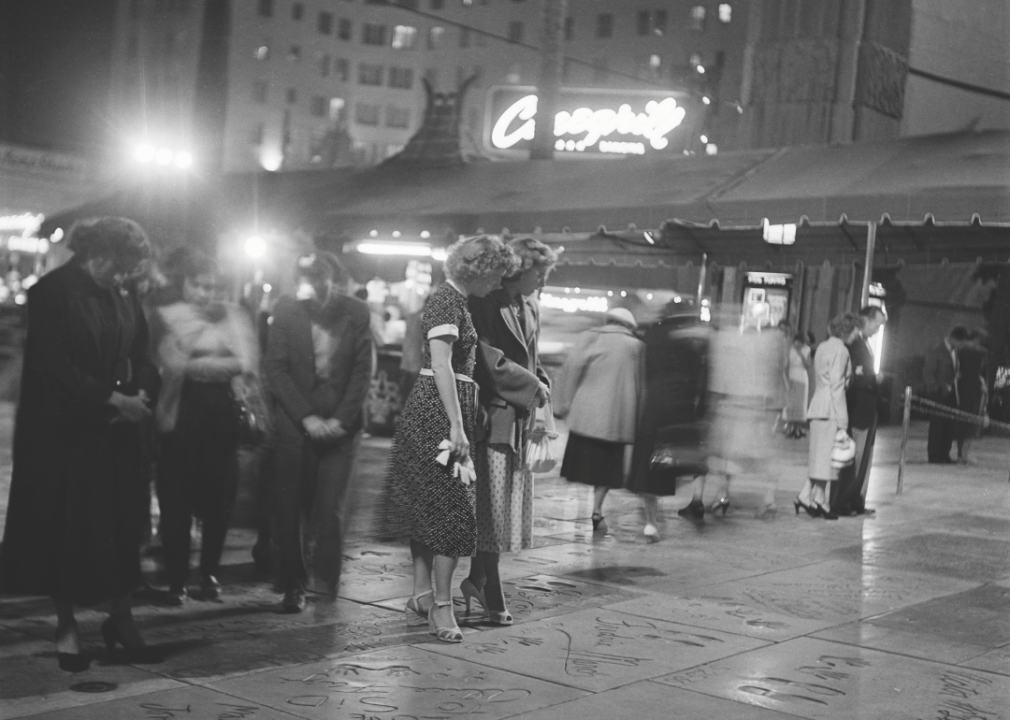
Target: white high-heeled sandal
{"x": 412, "y": 611}
{"x": 450, "y": 634}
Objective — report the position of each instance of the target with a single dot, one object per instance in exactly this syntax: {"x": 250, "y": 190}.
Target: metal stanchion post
{"x": 905, "y": 420}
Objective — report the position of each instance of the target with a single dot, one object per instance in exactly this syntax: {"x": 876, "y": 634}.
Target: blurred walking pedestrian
{"x": 669, "y": 443}
{"x": 599, "y": 394}
{"x": 746, "y": 383}
{"x": 829, "y": 415}
{"x": 940, "y": 375}
{"x": 972, "y": 391}
{"x": 207, "y": 353}
{"x": 431, "y": 502}
{"x": 861, "y": 401}
{"x": 72, "y": 527}
{"x": 512, "y": 385}
{"x": 319, "y": 368}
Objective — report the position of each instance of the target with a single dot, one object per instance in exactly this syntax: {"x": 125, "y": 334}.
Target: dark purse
{"x": 251, "y": 417}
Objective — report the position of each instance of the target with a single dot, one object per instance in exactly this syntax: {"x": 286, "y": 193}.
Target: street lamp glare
{"x": 144, "y": 153}
{"x": 255, "y": 247}
{"x": 163, "y": 157}
{"x": 183, "y": 160}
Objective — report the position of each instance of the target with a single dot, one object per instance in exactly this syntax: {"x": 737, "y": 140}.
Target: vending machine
{"x": 766, "y": 297}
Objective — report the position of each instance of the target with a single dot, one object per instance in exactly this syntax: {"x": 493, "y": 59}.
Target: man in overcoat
{"x": 940, "y": 376}
{"x": 861, "y": 399}
{"x": 318, "y": 365}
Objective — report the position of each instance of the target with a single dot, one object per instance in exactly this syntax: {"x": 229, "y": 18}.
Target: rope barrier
{"x": 939, "y": 410}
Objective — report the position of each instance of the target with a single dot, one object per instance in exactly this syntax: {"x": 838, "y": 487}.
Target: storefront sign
{"x": 588, "y": 121}
{"x": 23, "y": 159}
{"x": 765, "y": 279}
{"x": 571, "y": 304}
{"x": 25, "y": 223}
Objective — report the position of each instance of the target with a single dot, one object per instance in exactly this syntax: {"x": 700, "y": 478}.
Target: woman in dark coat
{"x": 78, "y": 465}
{"x": 972, "y": 390}
{"x": 668, "y": 443}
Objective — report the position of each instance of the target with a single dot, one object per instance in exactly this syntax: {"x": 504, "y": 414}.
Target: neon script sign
{"x": 584, "y": 128}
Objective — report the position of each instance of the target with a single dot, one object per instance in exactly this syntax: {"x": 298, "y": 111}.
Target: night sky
{"x": 54, "y": 72}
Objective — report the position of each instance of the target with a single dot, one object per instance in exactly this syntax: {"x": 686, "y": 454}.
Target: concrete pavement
{"x": 903, "y": 615}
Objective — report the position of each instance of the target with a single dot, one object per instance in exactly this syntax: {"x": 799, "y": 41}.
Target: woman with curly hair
{"x": 512, "y": 385}
{"x": 432, "y": 502}
{"x": 72, "y": 529}
{"x": 828, "y": 414}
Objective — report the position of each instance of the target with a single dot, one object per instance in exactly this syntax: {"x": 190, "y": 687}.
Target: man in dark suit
{"x": 861, "y": 400}
{"x": 318, "y": 367}
{"x": 940, "y": 376}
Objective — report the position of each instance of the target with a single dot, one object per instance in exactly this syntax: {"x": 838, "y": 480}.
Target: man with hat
{"x": 318, "y": 366}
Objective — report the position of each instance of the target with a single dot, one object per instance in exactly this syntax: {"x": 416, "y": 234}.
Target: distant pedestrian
{"x": 207, "y": 353}
{"x": 829, "y": 415}
{"x": 940, "y": 374}
{"x": 319, "y": 368}
{"x": 798, "y": 377}
{"x": 429, "y": 501}
{"x": 599, "y": 394}
{"x": 972, "y": 391}
{"x": 513, "y": 384}
{"x": 72, "y": 528}
{"x": 862, "y": 398}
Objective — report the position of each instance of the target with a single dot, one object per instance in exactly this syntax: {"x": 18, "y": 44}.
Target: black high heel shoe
{"x": 694, "y": 510}
{"x": 72, "y": 662}
{"x": 142, "y": 655}
{"x": 599, "y": 525}
{"x": 826, "y": 514}
{"x": 809, "y": 509}
{"x": 720, "y": 504}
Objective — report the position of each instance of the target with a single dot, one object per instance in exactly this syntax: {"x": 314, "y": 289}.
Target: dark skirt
{"x": 589, "y": 461}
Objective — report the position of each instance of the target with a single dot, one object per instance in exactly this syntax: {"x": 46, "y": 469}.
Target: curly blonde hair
{"x": 532, "y": 254}
{"x": 842, "y": 325}
{"x": 477, "y": 257}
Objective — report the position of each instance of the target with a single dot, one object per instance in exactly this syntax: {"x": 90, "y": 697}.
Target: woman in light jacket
{"x": 828, "y": 414}
{"x": 513, "y": 385}
{"x": 599, "y": 394}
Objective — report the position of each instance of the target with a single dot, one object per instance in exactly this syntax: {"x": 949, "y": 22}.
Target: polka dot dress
{"x": 504, "y": 500}
{"x": 424, "y": 501}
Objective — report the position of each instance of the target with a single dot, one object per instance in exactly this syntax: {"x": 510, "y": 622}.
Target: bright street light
{"x": 163, "y": 157}
{"x": 144, "y": 153}
{"x": 183, "y": 160}
{"x": 255, "y": 247}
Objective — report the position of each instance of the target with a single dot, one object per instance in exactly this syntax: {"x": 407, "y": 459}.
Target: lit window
{"x": 263, "y": 53}
{"x": 397, "y": 117}
{"x": 366, "y": 114}
{"x": 698, "y": 18}
{"x": 655, "y": 61}
{"x": 435, "y": 36}
{"x": 604, "y": 25}
{"x": 467, "y": 3}
{"x": 695, "y": 60}
{"x": 344, "y": 29}
{"x": 373, "y": 34}
{"x": 324, "y": 24}
{"x": 515, "y": 33}
{"x": 336, "y": 109}
{"x": 725, "y": 12}
{"x": 318, "y": 106}
{"x": 401, "y": 77}
{"x": 370, "y": 74}
{"x": 404, "y": 37}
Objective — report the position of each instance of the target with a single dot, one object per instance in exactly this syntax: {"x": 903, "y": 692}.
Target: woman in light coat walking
{"x": 828, "y": 414}
{"x": 599, "y": 394}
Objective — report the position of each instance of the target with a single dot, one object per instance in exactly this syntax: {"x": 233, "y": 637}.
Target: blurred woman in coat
{"x": 513, "y": 385}
{"x": 599, "y": 394}
{"x": 828, "y": 413}
{"x": 72, "y": 527}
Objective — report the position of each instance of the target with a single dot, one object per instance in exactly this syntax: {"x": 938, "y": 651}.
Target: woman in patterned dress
{"x": 512, "y": 384}
{"x": 428, "y": 502}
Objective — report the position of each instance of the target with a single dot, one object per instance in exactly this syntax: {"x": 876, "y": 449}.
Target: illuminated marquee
{"x": 597, "y": 122}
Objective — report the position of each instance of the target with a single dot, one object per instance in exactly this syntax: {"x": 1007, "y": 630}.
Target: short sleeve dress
{"x": 425, "y": 501}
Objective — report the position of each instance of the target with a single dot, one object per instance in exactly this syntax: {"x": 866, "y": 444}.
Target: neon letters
{"x": 518, "y": 123}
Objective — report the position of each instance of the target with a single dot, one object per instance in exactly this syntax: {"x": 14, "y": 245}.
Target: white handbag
{"x": 542, "y": 448}
{"x": 843, "y": 453}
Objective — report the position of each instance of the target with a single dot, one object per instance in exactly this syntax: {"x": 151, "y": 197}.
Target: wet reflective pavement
{"x": 902, "y": 615}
